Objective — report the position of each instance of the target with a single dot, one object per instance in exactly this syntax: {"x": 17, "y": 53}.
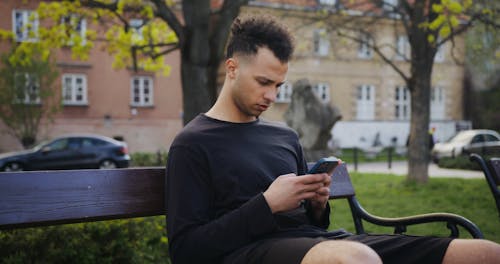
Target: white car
{"x": 480, "y": 141}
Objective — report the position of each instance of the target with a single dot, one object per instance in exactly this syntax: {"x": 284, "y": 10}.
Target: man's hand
{"x": 287, "y": 192}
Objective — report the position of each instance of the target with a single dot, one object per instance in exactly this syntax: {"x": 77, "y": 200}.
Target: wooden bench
{"x": 491, "y": 170}
{"x": 39, "y": 198}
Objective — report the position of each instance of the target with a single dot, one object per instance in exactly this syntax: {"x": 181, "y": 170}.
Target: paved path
{"x": 401, "y": 168}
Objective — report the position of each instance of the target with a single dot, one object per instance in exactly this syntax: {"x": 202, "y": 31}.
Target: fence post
{"x": 389, "y": 157}
{"x": 355, "y": 158}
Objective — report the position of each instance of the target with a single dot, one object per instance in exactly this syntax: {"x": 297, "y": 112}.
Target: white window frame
{"x": 284, "y": 93}
{"x": 364, "y": 50}
{"x": 31, "y": 89}
{"x": 402, "y": 103}
{"x": 402, "y": 47}
{"x": 439, "y": 57}
{"x": 143, "y": 99}
{"x": 80, "y": 27}
{"x": 136, "y": 26}
{"x": 389, "y": 5}
{"x": 322, "y": 91}
{"x": 26, "y": 26}
{"x": 438, "y": 103}
{"x": 365, "y": 102}
{"x": 321, "y": 42}
{"x": 78, "y": 94}
{"x": 328, "y": 2}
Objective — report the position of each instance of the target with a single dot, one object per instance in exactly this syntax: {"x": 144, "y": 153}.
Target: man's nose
{"x": 271, "y": 94}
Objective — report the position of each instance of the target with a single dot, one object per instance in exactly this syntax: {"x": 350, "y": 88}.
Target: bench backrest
{"x": 495, "y": 169}
{"x": 51, "y": 197}
{"x": 40, "y": 198}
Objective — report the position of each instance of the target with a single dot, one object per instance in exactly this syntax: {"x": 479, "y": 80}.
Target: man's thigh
{"x": 406, "y": 249}
{"x": 391, "y": 249}
{"x": 272, "y": 251}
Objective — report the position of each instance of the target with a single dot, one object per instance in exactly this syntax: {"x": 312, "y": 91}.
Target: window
{"x": 364, "y": 50}
{"x": 284, "y": 93}
{"x": 402, "y": 103}
{"x": 327, "y": 2}
{"x": 74, "y": 89}
{"x": 28, "y": 88}
{"x": 365, "y": 102}
{"x": 439, "y": 57}
{"x": 142, "y": 91}
{"x": 78, "y": 26}
{"x": 136, "y": 29}
{"x": 437, "y": 103}
{"x": 322, "y": 91}
{"x": 321, "y": 42}
{"x": 402, "y": 47}
{"x": 25, "y": 25}
{"x": 389, "y": 5}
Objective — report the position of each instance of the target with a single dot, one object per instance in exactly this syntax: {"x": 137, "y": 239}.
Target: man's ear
{"x": 231, "y": 67}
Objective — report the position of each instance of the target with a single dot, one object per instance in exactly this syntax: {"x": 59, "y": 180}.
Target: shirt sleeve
{"x": 195, "y": 235}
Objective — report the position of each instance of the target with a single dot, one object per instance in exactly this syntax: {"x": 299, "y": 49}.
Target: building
{"x": 145, "y": 109}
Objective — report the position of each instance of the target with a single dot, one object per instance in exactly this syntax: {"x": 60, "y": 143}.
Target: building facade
{"x": 142, "y": 108}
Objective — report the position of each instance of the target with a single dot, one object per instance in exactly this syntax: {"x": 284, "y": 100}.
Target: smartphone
{"x": 325, "y": 165}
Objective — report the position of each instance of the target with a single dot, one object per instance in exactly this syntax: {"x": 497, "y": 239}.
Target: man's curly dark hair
{"x": 250, "y": 34}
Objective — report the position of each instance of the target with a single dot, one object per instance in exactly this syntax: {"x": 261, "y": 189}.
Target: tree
{"x": 140, "y": 33}
{"x": 427, "y": 25}
{"x": 27, "y": 93}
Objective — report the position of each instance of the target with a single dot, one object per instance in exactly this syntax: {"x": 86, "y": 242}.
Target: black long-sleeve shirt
{"x": 216, "y": 174}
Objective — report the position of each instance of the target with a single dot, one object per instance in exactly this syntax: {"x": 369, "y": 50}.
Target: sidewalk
{"x": 401, "y": 168}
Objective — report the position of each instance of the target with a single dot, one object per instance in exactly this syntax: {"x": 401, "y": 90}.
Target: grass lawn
{"x": 391, "y": 196}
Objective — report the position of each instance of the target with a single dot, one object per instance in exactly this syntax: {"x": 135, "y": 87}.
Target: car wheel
{"x": 13, "y": 166}
{"x": 107, "y": 164}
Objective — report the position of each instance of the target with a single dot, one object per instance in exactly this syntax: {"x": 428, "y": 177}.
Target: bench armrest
{"x": 400, "y": 223}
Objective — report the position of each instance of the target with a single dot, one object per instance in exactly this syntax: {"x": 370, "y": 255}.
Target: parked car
{"x": 481, "y": 141}
{"x": 69, "y": 152}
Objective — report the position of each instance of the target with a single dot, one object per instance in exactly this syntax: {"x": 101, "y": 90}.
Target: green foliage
{"x": 147, "y": 159}
{"x": 139, "y": 240}
{"x": 348, "y": 155}
{"x": 27, "y": 92}
{"x": 393, "y": 196}
{"x": 460, "y": 162}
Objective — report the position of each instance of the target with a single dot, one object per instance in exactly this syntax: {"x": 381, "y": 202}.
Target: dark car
{"x": 69, "y": 152}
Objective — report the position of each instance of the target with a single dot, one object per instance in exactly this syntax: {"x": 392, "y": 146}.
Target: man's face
{"x": 255, "y": 82}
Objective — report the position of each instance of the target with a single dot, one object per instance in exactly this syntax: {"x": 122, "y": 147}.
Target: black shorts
{"x": 390, "y": 248}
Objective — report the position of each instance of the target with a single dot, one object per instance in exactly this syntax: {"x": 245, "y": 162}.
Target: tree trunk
{"x": 205, "y": 35}
{"x": 419, "y": 84}
{"x": 418, "y": 149}
{"x": 195, "y": 56}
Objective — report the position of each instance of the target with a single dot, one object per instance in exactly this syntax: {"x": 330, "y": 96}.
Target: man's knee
{"x": 335, "y": 251}
{"x": 472, "y": 250}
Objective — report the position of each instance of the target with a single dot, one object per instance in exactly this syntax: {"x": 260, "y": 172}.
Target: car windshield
{"x": 40, "y": 145}
{"x": 461, "y": 137}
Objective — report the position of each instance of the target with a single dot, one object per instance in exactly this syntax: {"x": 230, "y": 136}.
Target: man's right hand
{"x": 288, "y": 191}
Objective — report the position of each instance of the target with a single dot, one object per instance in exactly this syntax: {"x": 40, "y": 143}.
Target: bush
{"x": 139, "y": 240}
{"x": 148, "y": 159}
{"x": 461, "y": 162}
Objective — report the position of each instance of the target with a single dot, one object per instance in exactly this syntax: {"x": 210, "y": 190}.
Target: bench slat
{"x": 51, "y": 197}
{"x": 341, "y": 186}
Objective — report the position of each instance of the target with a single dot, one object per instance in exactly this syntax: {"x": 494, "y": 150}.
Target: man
{"x": 233, "y": 194}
